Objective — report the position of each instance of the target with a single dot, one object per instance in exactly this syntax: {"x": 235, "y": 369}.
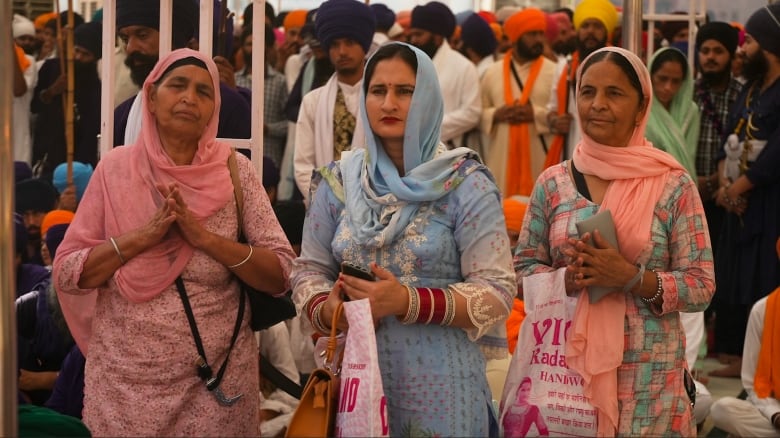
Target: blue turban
{"x": 477, "y": 35}
{"x": 147, "y": 13}
{"x": 434, "y": 17}
{"x": 81, "y": 175}
{"x": 89, "y": 36}
{"x": 385, "y": 17}
{"x": 345, "y": 19}
{"x": 764, "y": 28}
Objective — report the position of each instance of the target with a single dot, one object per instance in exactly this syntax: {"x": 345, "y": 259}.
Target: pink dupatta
{"x": 638, "y": 174}
{"x": 127, "y": 198}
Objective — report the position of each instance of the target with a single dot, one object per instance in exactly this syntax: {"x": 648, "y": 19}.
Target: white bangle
{"x": 251, "y": 251}
{"x": 116, "y": 248}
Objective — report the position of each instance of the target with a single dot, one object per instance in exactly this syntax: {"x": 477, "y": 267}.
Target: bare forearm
{"x": 103, "y": 260}
{"x": 262, "y": 270}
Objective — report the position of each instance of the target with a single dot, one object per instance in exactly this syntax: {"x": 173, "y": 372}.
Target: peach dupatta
{"x": 638, "y": 174}
{"x": 122, "y": 196}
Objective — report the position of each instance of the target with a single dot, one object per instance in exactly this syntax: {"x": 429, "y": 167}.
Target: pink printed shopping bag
{"x": 542, "y": 396}
{"x": 362, "y": 407}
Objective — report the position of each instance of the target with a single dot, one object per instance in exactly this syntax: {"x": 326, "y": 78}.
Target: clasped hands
{"x": 601, "y": 265}
{"x": 174, "y": 210}
{"x": 386, "y": 295}
{"x": 514, "y": 113}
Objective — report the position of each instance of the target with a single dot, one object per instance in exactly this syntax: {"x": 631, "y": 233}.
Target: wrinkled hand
{"x": 722, "y": 199}
{"x": 227, "y": 74}
{"x": 560, "y": 124}
{"x": 386, "y": 294}
{"x": 157, "y": 227}
{"x": 67, "y": 199}
{"x": 191, "y": 230}
{"x": 335, "y": 298}
{"x": 514, "y": 114}
{"x": 601, "y": 265}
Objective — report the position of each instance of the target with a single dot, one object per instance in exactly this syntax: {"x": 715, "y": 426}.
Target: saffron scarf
{"x": 677, "y": 130}
{"x": 518, "y": 173}
{"x": 766, "y": 382}
{"x": 130, "y": 199}
{"x": 555, "y": 154}
{"x": 638, "y": 173}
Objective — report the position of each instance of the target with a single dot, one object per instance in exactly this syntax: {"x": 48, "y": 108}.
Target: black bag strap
{"x": 579, "y": 181}
{"x": 204, "y": 369}
{"x": 266, "y": 368}
{"x": 520, "y": 84}
{"x": 273, "y": 375}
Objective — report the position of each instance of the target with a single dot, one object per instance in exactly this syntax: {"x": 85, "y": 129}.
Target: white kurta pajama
{"x": 459, "y": 83}
{"x": 497, "y": 148}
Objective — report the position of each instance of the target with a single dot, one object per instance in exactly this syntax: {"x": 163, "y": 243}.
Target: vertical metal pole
{"x": 108, "y": 78}
{"x": 632, "y": 25}
{"x": 8, "y": 372}
{"x": 258, "y": 84}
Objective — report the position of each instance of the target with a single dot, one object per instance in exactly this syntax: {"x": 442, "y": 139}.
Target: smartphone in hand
{"x": 357, "y": 271}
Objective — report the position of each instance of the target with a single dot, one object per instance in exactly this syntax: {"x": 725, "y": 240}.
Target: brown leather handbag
{"x": 315, "y": 415}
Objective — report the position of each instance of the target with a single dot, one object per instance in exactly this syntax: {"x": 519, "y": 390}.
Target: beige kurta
{"x": 497, "y": 149}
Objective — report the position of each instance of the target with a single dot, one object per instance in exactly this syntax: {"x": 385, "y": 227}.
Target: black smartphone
{"x": 357, "y": 271}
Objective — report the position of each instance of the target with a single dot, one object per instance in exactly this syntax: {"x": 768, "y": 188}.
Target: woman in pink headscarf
{"x": 154, "y": 212}
{"x": 629, "y": 347}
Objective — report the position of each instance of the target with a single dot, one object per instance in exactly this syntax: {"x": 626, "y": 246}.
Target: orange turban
{"x": 41, "y": 20}
{"x": 55, "y": 217}
{"x": 514, "y": 210}
{"x": 404, "y": 18}
{"x": 497, "y": 31}
{"x": 527, "y": 20}
{"x": 23, "y": 61}
{"x": 296, "y": 18}
{"x": 488, "y": 16}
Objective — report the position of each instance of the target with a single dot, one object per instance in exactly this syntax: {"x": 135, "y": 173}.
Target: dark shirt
{"x": 49, "y": 129}
{"x": 235, "y": 118}
{"x": 28, "y": 276}
{"x": 67, "y": 397}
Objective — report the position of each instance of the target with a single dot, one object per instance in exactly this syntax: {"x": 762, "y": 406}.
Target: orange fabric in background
{"x": 23, "y": 61}
{"x": 518, "y": 176}
{"x": 514, "y": 322}
{"x": 767, "y": 379}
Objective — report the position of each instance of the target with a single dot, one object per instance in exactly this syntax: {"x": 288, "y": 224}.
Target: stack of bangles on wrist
{"x": 315, "y": 309}
{"x": 429, "y": 305}
{"x": 659, "y": 290}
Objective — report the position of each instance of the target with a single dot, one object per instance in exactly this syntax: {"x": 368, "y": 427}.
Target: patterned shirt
{"x": 275, "y": 135}
{"x": 714, "y": 106}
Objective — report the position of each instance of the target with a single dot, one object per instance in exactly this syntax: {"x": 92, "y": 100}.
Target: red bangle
{"x": 314, "y": 302}
{"x": 439, "y": 306}
{"x": 426, "y": 305}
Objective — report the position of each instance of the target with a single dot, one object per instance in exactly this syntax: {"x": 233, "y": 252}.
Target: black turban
{"x": 764, "y": 27}
{"x": 78, "y": 20}
{"x": 476, "y": 34}
{"x": 721, "y": 32}
{"x": 147, "y": 13}
{"x": 35, "y": 195}
{"x": 345, "y": 19}
{"x": 385, "y": 18}
{"x": 90, "y": 37}
{"x": 434, "y": 17}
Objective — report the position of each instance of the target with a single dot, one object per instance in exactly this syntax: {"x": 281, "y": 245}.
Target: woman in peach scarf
{"x": 155, "y": 211}
{"x": 629, "y": 347}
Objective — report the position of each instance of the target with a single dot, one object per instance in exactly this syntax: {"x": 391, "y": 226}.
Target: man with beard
{"x": 328, "y": 122}
{"x": 34, "y": 198}
{"x": 715, "y": 93}
{"x": 594, "y": 21}
{"x": 561, "y": 37}
{"x": 138, "y": 24}
{"x": 49, "y": 146}
{"x": 514, "y": 94}
{"x": 275, "y": 95}
{"x": 748, "y": 268}
{"x": 431, "y": 25}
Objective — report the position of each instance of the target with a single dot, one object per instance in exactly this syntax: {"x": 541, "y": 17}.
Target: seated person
{"x": 759, "y": 414}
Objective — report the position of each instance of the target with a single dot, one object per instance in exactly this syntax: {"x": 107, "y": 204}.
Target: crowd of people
{"x": 452, "y": 156}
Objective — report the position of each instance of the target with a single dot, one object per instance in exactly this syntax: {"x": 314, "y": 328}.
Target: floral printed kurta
{"x": 651, "y": 393}
{"x": 434, "y": 377}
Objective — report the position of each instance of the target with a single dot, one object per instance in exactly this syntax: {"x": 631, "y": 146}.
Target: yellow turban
{"x": 55, "y": 217}
{"x": 601, "y": 10}
{"x": 527, "y": 20}
{"x": 296, "y": 18}
{"x": 514, "y": 210}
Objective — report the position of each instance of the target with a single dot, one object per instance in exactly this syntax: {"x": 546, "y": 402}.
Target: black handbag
{"x": 266, "y": 310}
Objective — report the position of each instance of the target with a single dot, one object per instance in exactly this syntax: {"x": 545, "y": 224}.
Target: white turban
{"x": 23, "y": 26}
